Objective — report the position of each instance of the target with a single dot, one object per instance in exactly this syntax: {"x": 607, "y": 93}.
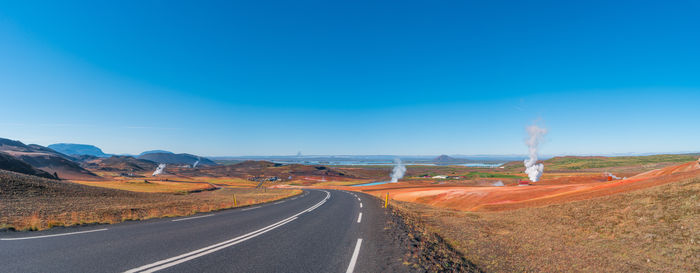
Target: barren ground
{"x": 650, "y": 230}
{"x": 549, "y": 191}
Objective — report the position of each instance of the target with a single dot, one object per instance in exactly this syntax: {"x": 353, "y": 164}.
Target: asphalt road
{"x": 319, "y": 231}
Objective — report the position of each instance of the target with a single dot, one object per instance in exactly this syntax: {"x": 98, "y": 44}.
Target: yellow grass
{"x": 230, "y": 181}
{"x": 43, "y": 213}
{"x": 152, "y": 186}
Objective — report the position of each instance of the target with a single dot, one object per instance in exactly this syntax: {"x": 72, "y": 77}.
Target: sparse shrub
{"x": 55, "y": 223}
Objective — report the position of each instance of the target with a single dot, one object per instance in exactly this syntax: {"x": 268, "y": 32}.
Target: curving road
{"x": 319, "y": 231}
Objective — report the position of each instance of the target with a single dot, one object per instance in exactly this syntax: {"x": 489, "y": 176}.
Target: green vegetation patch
{"x": 490, "y": 175}
{"x": 579, "y": 163}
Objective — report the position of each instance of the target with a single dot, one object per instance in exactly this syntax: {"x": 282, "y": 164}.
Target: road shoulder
{"x": 412, "y": 247}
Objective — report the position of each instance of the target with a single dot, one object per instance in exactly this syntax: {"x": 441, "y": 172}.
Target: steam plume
{"x": 532, "y": 169}
{"x": 159, "y": 170}
{"x": 195, "y": 163}
{"x": 398, "y": 172}
{"x": 613, "y": 176}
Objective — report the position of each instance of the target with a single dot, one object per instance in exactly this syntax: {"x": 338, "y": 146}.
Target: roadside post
{"x": 234, "y": 200}
{"x": 386, "y": 200}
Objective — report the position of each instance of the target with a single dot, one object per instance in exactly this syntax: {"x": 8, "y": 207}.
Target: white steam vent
{"x": 532, "y": 169}
{"x": 398, "y": 171}
{"x": 159, "y": 170}
{"x": 612, "y": 176}
{"x": 196, "y": 162}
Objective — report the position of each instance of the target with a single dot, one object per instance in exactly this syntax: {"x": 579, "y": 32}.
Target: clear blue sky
{"x": 352, "y": 77}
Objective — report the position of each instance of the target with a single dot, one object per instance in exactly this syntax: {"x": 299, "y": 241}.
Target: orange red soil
{"x": 539, "y": 194}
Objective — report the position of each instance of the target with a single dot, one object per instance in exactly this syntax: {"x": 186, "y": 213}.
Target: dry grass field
{"x": 150, "y": 186}
{"x": 650, "y": 230}
{"x": 32, "y": 203}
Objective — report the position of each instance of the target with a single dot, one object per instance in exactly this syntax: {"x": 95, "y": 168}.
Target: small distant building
{"x": 440, "y": 177}
{"x": 523, "y": 183}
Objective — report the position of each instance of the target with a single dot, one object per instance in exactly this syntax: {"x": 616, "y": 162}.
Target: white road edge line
{"x": 359, "y": 218}
{"x": 194, "y": 217}
{"x": 52, "y": 235}
{"x": 208, "y": 250}
{"x": 162, "y": 264}
{"x": 251, "y": 208}
{"x": 360, "y": 204}
{"x": 353, "y": 260}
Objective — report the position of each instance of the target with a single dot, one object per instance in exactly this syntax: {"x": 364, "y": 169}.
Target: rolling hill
{"x": 446, "y": 160}
{"x": 46, "y": 159}
{"x": 155, "y": 151}
{"x": 77, "y": 149}
{"x": 252, "y": 168}
{"x": 9, "y": 163}
{"x": 120, "y": 163}
{"x": 177, "y": 159}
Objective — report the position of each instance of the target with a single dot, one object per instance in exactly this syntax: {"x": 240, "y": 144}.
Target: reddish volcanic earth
{"x": 538, "y": 194}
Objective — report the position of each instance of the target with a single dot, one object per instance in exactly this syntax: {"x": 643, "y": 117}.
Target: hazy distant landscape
{"x": 478, "y": 205}
{"x": 349, "y": 136}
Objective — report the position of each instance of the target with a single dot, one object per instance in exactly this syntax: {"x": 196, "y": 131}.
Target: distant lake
{"x": 387, "y": 163}
{"x": 371, "y": 184}
{"x": 485, "y": 165}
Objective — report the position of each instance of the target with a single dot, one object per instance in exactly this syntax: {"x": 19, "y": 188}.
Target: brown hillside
{"x": 46, "y": 160}
{"x": 9, "y": 163}
{"x": 120, "y": 164}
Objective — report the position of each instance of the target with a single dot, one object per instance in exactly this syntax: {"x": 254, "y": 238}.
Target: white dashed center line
{"x": 353, "y": 260}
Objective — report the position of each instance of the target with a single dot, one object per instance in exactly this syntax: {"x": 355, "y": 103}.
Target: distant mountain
{"x": 445, "y": 159}
{"x": 14, "y": 146}
{"x": 42, "y": 149}
{"x": 250, "y": 168}
{"x": 77, "y": 149}
{"x": 120, "y": 163}
{"x": 9, "y": 163}
{"x": 170, "y": 158}
{"x": 155, "y": 151}
{"x": 46, "y": 159}
{"x": 8, "y": 143}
